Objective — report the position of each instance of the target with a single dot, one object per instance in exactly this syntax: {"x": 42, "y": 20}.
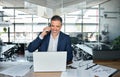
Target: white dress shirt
{"x": 53, "y": 43}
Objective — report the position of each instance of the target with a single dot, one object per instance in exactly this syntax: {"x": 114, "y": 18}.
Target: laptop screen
{"x": 49, "y": 61}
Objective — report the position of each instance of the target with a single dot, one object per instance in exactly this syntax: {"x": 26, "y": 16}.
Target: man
{"x": 52, "y": 39}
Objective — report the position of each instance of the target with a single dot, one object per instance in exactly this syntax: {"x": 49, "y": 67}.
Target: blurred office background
{"x": 93, "y": 25}
{"x": 86, "y": 21}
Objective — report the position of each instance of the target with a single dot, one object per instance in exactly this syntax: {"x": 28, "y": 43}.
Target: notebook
{"x": 49, "y": 61}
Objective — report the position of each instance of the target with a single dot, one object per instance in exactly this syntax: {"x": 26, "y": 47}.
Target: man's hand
{"x": 45, "y": 31}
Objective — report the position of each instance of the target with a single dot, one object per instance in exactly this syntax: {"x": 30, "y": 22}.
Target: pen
{"x": 31, "y": 66}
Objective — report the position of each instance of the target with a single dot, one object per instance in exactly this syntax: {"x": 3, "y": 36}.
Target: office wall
{"x": 110, "y": 17}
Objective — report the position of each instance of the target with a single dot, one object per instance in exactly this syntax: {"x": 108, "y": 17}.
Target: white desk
{"x": 22, "y": 69}
{"x": 85, "y": 48}
{"x": 6, "y": 47}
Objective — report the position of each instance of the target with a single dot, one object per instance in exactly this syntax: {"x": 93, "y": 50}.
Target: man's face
{"x": 55, "y": 26}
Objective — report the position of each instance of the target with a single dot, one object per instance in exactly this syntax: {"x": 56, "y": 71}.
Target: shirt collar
{"x": 56, "y": 36}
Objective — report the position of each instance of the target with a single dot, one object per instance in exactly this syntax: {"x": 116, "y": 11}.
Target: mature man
{"x": 52, "y": 39}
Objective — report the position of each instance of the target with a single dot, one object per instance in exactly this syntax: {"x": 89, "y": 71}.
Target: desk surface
{"x": 109, "y": 63}
{"x": 23, "y": 69}
{"x": 85, "y": 48}
{"x": 6, "y": 47}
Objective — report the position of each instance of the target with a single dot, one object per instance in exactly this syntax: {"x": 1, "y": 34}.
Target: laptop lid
{"x": 49, "y": 61}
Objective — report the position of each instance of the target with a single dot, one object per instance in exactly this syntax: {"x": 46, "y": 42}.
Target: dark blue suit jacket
{"x": 64, "y": 44}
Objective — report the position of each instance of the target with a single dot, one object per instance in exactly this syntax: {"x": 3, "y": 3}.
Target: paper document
{"x": 17, "y": 71}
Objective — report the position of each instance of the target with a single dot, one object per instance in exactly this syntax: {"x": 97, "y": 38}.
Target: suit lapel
{"x": 59, "y": 42}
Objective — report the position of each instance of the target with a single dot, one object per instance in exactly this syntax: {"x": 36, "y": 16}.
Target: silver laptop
{"x": 49, "y": 61}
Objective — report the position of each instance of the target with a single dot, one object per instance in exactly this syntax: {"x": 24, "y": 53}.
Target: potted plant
{"x": 4, "y": 29}
{"x": 116, "y": 43}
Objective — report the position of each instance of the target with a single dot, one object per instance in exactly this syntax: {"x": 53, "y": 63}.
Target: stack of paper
{"x": 16, "y": 71}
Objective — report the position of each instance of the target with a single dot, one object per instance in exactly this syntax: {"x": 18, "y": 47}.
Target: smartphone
{"x": 49, "y": 26}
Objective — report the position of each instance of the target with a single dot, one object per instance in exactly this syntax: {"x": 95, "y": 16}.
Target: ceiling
{"x": 54, "y": 4}
{"x": 49, "y": 3}
{"x": 49, "y": 7}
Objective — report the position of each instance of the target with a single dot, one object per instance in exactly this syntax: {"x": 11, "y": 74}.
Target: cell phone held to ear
{"x": 48, "y": 30}
{"x": 49, "y": 24}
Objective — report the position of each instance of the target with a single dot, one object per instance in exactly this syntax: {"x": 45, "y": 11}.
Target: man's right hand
{"x": 45, "y": 31}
